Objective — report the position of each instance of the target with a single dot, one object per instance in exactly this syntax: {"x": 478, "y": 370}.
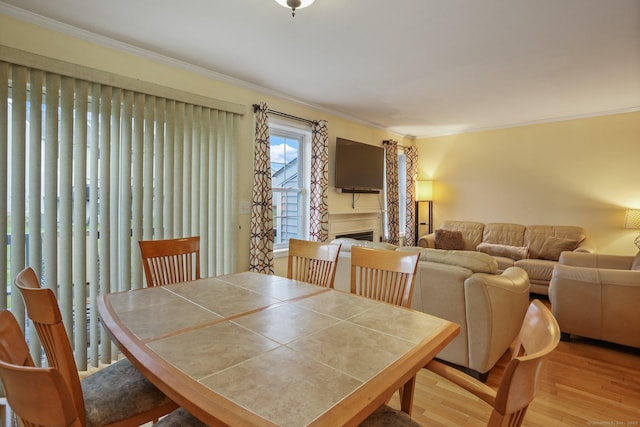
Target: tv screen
{"x": 359, "y": 167}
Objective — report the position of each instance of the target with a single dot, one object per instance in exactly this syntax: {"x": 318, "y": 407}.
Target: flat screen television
{"x": 359, "y": 167}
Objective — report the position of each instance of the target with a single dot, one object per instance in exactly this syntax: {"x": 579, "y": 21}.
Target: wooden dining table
{"x": 255, "y": 349}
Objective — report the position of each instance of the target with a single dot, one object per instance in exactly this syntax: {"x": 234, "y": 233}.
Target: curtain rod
{"x": 401, "y": 146}
{"x": 285, "y": 115}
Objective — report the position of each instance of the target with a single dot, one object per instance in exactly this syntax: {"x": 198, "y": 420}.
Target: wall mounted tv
{"x": 359, "y": 167}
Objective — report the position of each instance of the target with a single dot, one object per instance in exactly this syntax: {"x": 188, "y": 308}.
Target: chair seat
{"x": 386, "y": 416}
{"x": 117, "y": 392}
{"x": 179, "y": 418}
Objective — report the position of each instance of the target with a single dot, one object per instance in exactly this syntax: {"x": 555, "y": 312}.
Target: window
{"x": 93, "y": 168}
{"x": 290, "y": 165}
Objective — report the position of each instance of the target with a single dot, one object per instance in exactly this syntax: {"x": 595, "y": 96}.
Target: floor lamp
{"x": 632, "y": 221}
{"x": 424, "y": 193}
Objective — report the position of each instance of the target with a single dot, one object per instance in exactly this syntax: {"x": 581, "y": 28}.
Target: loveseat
{"x": 597, "y": 296}
{"x": 463, "y": 287}
{"x": 534, "y": 248}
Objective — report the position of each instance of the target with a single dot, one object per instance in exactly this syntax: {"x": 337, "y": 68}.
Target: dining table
{"x": 256, "y": 349}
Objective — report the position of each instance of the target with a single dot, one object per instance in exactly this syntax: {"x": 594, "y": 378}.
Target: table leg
{"x": 406, "y": 395}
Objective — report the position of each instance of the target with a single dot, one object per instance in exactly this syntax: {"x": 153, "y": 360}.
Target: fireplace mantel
{"x": 355, "y": 221}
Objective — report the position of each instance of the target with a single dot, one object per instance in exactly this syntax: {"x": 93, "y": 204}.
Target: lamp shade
{"x": 632, "y": 219}
{"x": 424, "y": 191}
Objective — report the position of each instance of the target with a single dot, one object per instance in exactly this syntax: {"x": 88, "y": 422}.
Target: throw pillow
{"x": 451, "y": 240}
{"x": 553, "y": 246}
{"x": 513, "y": 252}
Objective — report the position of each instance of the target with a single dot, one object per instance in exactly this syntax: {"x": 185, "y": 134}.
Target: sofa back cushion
{"x": 471, "y": 232}
{"x": 553, "y": 239}
{"x": 504, "y": 234}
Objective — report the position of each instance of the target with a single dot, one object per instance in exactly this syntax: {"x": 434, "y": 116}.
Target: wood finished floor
{"x": 583, "y": 383}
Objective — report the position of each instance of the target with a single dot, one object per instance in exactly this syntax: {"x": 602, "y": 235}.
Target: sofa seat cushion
{"x": 474, "y": 261}
{"x": 539, "y": 270}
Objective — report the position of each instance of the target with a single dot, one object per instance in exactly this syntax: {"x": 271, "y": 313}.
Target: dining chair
{"x": 37, "y": 396}
{"x": 383, "y": 275}
{"x": 539, "y": 336}
{"x": 313, "y": 262}
{"x": 115, "y": 395}
{"x": 170, "y": 260}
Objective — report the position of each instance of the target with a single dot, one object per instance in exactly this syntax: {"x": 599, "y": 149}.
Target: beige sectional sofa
{"x": 534, "y": 248}
{"x": 597, "y": 296}
{"x": 466, "y": 288}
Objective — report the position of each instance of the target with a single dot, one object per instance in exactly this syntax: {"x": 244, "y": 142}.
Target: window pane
{"x": 287, "y": 180}
{"x": 284, "y": 162}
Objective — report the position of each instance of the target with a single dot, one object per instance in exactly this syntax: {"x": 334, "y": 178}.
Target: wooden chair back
{"x": 42, "y": 309}
{"x": 313, "y": 262}
{"x": 38, "y": 396}
{"x": 13, "y": 348}
{"x": 539, "y": 336}
{"x": 384, "y": 275}
{"x": 170, "y": 260}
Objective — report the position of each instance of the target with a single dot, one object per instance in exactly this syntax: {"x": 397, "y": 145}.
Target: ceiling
{"x": 414, "y": 67}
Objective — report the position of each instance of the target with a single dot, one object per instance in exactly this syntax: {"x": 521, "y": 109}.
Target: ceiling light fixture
{"x": 294, "y": 4}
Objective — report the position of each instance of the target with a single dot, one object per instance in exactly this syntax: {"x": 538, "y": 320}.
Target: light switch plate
{"x": 245, "y": 208}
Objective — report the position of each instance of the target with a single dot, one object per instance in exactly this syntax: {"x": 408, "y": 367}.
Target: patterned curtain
{"x": 261, "y": 246}
{"x": 319, "y": 211}
{"x": 412, "y": 174}
{"x": 393, "y": 210}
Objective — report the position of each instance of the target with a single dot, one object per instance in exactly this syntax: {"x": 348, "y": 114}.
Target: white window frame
{"x": 302, "y": 132}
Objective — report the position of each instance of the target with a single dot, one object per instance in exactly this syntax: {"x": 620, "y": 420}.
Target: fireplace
{"x": 363, "y": 235}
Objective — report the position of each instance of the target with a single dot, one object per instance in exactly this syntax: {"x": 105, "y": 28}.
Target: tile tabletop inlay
{"x": 286, "y": 323}
{"x": 358, "y": 351}
{"x": 253, "y": 385}
{"x": 200, "y": 352}
{"x": 254, "y": 349}
{"x": 223, "y": 298}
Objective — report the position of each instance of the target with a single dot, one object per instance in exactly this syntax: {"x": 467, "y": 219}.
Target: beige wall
{"x": 578, "y": 172}
{"x": 21, "y": 35}
{"x": 581, "y": 172}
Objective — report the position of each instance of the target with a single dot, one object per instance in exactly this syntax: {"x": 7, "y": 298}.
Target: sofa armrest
{"x": 587, "y": 245}
{"x": 427, "y": 241}
{"x": 496, "y": 306}
{"x": 580, "y": 259}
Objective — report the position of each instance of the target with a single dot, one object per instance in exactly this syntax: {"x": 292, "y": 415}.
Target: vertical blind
{"x": 89, "y": 169}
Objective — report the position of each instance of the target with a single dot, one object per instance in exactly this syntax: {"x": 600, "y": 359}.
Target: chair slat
{"x": 383, "y": 275}
{"x": 312, "y": 262}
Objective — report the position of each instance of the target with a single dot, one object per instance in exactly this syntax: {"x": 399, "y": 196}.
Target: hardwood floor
{"x": 583, "y": 383}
